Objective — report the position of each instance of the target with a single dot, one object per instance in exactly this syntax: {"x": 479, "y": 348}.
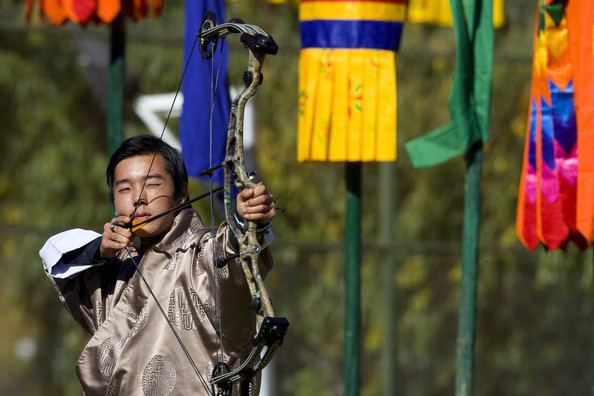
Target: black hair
{"x": 143, "y": 145}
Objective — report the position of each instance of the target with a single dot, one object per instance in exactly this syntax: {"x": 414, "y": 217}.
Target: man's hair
{"x": 149, "y": 145}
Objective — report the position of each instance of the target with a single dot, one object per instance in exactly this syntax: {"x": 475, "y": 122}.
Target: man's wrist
{"x": 260, "y": 228}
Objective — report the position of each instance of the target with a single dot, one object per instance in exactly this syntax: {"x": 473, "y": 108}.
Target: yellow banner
{"x": 347, "y": 105}
{"x": 438, "y": 12}
{"x": 352, "y": 10}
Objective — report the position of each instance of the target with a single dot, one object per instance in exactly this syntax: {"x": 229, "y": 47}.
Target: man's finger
{"x": 120, "y": 238}
{"x": 117, "y": 245}
{"x": 246, "y": 193}
{"x": 256, "y": 209}
{"x": 260, "y": 189}
{"x": 261, "y": 200}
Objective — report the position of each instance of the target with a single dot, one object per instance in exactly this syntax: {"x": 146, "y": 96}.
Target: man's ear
{"x": 183, "y": 194}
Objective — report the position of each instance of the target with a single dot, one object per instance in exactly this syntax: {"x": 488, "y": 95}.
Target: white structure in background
{"x": 153, "y": 110}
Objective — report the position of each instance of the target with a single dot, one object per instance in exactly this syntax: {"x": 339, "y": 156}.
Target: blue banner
{"x": 382, "y": 35}
{"x": 199, "y": 97}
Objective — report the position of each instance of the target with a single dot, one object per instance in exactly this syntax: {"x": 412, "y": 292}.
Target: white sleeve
{"x": 57, "y": 246}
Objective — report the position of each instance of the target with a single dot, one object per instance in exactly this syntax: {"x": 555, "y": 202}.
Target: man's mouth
{"x": 142, "y": 216}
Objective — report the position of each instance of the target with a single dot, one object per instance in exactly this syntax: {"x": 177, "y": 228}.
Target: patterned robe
{"x": 133, "y": 351}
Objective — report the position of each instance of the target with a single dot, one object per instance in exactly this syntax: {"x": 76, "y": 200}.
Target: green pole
{"x": 387, "y": 202}
{"x": 352, "y": 281}
{"x": 470, "y": 238}
{"x": 116, "y": 84}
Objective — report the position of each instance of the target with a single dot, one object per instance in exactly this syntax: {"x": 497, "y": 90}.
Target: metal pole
{"x": 116, "y": 85}
{"x": 470, "y": 238}
{"x": 387, "y": 202}
{"x": 352, "y": 281}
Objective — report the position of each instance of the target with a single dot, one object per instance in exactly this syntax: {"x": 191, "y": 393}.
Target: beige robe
{"x": 133, "y": 351}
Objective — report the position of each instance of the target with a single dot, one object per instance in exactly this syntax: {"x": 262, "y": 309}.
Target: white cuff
{"x": 60, "y": 244}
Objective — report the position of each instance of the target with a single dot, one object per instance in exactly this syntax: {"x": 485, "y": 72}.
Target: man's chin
{"x": 148, "y": 233}
{"x": 153, "y": 230}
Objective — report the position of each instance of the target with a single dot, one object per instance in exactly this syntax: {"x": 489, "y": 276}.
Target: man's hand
{"x": 256, "y": 205}
{"x": 115, "y": 238}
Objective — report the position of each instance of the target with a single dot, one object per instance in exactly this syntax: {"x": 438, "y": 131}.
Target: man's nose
{"x": 141, "y": 201}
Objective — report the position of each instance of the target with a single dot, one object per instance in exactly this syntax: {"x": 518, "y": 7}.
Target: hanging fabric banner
{"x": 84, "y": 11}
{"x": 199, "y": 149}
{"x": 437, "y": 12}
{"x": 470, "y": 99}
{"x": 347, "y": 79}
{"x": 549, "y": 185}
{"x": 580, "y": 15}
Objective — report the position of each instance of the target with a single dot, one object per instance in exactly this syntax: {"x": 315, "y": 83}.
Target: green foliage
{"x": 51, "y": 177}
{"x": 534, "y": 322}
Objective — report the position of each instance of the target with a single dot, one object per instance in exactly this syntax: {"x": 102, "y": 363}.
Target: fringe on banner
{"x": 347, "y": 80}
{"x": 549, "y": 204}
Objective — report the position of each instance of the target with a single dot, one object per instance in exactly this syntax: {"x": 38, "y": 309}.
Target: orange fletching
{"x": 134, "y": 227}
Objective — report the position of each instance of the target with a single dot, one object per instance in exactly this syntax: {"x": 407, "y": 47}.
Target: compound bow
{"x": 271, "y": 329}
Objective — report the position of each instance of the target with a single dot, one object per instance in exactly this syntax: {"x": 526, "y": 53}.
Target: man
{"x": 162, "y": 314}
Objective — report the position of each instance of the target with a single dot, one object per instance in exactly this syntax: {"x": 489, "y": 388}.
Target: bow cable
{"x": 214, "y": 82}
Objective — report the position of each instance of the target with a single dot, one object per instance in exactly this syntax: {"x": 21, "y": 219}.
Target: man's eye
{"x": 124, "y": 190}
{"x": 153, "y": 185}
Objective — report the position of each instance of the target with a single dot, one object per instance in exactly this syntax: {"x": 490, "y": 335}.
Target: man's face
{"x": 157, "y": 195}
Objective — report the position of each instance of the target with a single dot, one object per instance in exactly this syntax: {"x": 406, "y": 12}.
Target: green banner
{"x": 470, "y": 98}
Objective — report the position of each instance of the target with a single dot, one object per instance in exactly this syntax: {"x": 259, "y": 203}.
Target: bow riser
{"x": 249, "y": 246}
